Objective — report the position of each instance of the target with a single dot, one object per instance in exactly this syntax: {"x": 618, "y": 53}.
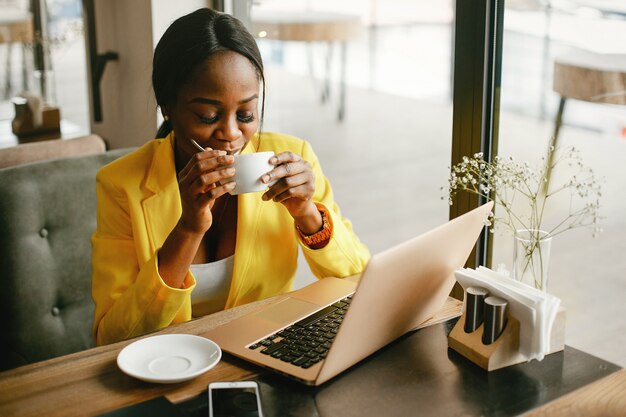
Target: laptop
{"x": 321, "y": 330}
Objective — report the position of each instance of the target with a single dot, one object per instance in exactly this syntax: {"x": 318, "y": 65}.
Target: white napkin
{"x": 534, "y": 309}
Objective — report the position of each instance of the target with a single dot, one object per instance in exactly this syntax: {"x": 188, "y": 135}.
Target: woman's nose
{"x": 229, "y": 129}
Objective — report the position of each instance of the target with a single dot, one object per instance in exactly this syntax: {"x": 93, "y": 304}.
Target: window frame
{"x": 477, "y": 56}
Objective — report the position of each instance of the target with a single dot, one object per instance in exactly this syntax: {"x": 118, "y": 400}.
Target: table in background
{"x": 313, "y": 26}
{"x": 69, "y": 130}
{"x": 417, "y": 372}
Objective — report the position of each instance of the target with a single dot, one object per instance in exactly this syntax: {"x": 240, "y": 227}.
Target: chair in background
{"x": 47, "y": 217}
{"x": 313, "y": 26}
{"x": 587, "y": 76}
{"x": 51, "y": 149}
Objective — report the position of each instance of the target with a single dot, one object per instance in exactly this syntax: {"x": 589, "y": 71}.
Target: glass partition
{"x": 42, "y": 50}
{"x": 564, "y": 76}
{"x": 69, "y": 64}
{"x": 369, "y": 85}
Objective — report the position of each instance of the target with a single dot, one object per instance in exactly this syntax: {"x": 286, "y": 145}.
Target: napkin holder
{"x": 504, "y": 351}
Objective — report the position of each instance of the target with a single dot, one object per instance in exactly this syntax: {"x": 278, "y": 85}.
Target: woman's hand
{"x": 294, "y": 188}
{"x": 199, "y": 184}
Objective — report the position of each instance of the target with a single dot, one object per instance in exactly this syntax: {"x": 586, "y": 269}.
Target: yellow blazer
{"x": 138, "y": 206}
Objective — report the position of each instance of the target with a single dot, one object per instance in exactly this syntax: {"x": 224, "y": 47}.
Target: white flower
{"x": 517, "y": 188}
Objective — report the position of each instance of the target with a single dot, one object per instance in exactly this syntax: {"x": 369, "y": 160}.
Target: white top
{"x": 212, "y": 285}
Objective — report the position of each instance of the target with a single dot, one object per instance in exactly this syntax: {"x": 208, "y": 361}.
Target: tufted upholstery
{"x": 47, "y": 216}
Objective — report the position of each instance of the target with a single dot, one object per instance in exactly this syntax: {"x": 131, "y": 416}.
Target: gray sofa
{"x": 47, "y": 217}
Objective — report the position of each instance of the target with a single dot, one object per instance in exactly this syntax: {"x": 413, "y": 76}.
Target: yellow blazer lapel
{"x": 249, "y": 213}
{"x": 249, "y": 209}
{"x": 162, "y": 207}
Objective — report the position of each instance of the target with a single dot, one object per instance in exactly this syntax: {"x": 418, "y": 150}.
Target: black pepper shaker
{"x": 495, "y": 318}
{"x": 474, "y": 297}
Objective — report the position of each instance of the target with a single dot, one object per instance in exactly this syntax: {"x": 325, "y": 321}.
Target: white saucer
{"x": 169, "y": 358}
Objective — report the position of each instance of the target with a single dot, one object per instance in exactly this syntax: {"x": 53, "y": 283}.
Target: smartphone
{"x": 234, "y": 399}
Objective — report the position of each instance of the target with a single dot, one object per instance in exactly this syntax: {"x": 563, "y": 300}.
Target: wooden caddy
{"x": 23, "y": 123}
{"x": 505, "y": 350}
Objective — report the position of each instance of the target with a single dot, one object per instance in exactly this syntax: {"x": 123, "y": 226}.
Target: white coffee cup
{"x": 249, "y": 168}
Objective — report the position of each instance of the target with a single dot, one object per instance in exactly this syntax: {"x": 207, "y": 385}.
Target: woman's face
{"x": 219, "y": 107}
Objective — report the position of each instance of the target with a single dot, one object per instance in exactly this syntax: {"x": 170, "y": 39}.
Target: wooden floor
{"x": 390, "y": 157}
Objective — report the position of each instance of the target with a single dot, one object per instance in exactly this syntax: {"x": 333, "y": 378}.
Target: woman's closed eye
{"x": 209, "y": 120}
{"x": 244, "y": 118}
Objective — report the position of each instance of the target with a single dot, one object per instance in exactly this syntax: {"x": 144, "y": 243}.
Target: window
{"x": 369, "y": 85}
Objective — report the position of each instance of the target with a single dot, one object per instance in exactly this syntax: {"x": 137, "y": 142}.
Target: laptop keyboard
{"x": 307, "y": 341}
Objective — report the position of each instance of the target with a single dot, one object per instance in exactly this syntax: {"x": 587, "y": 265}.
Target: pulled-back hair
{"x": 187, "y": 43}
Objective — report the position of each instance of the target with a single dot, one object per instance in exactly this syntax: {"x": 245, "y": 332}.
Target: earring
{"x": 167, "y": 118}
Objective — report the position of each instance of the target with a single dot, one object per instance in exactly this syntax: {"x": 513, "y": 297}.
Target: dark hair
{"x": 187, "y": 43}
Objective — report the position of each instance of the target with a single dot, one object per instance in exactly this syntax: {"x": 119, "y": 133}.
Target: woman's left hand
{"x": 295, "y": 184}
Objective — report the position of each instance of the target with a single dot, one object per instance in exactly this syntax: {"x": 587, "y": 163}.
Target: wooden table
{"x": 603, "y": 398}
{"x": 69, "y": 130}
{"x": 89, "y": 383}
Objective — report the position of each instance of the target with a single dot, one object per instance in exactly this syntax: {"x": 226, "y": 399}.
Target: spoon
{"x": 197, "y": 145}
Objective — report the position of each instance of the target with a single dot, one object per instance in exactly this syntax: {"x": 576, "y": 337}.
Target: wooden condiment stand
{"x": 23, "y": 123}
{"x": 505, "y": 350}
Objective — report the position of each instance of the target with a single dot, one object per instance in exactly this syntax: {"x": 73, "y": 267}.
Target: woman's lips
{"x": 230, "y": 150}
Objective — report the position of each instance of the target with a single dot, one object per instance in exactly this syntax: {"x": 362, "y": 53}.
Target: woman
{"x": 171, "y": 242}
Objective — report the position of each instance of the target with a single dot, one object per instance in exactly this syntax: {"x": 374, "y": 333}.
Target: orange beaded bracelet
{"x": 319, "y": 239}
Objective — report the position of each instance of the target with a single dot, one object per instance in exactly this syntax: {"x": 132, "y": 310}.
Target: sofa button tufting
{"x": 56, "y": 311}
{"x": 43, "y": 232}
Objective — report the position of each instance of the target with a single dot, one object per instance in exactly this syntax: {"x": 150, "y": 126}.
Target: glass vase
{"x": 531, "y": 257}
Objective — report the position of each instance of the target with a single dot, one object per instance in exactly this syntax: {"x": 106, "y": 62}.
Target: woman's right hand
{"x": 199, "y": 184}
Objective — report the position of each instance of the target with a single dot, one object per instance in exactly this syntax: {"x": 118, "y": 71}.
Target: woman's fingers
{"x": 202, "y": 171}
{"x": 204, "y": 179}
{"x": 283, "y": 157}
{"x": 302, "y": 192}
{"x": 210, "y": 180}
{"x": 196, "y": 213}
{"x": 205, "y": 161}
{"x": 287, "y": 164}
{"x": 209, "y": 153}
{"x": 298, "y": 185}
{"x": 217, "y": 191}
{"x": 294, "y": 182}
